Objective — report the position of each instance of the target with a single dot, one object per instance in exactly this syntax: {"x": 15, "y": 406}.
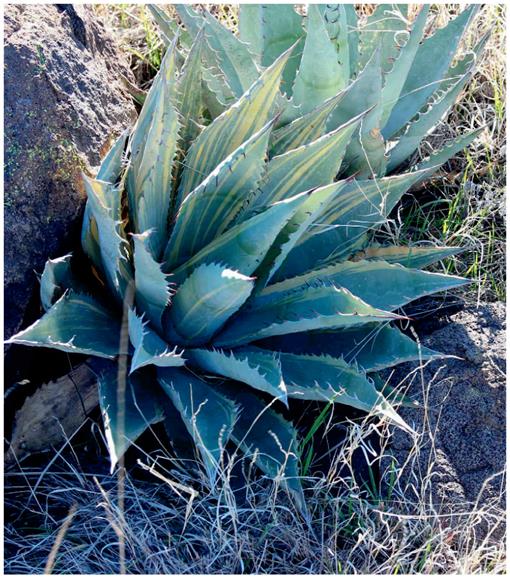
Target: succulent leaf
{"x": 150, "y": 349}
{"x": 210, "y": 208}
{"x": 56, "y": 278}
{"x": 76, "y": 324}
{"x": 235, "y": 126}
{"x": 430, "y": 64}
{"x": 307, "y": 308}
{"x": 152, "y": 286}
{"x": 208, "y": 415}
{"x": 416, "y": 257}
{"x": 255, "y": 367}
{"x": 204, "y": 302}
{"x": 127, "y": 410}
{"x": 320, "y": 75}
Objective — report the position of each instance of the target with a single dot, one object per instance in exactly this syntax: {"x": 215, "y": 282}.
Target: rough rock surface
{"x": 465, "y": 401}
{"x": 63, "y": 105}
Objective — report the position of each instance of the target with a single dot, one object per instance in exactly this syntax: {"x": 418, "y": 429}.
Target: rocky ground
{"x": 463, "y": 402}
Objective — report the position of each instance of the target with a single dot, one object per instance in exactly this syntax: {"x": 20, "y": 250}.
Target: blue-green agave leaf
{"x": 373, "y": 346}
{"x": 268, "y": 439}
{"x": 352, "y": 36}
{"x": 113, "y": 162}
{"x": 208, "y": 415}
{"x": 430, "y": 64}
{"x": 128, "y": 409}
{"x": 255, "y": 367}
{"x": 320, "y": 76}
{"x": 305, "y": 309}
{"x": 204, "y": 302}
{"x": 210, "y": 208}
{"x": 233, "y": 127}
{"x": 56, "y": 278}
{"x": 416, "y": 257}
{"x": 416, "y": 131}
{"x": 382, "y": 285}
{"x": 189, "y": 93}
{"x": 361, "y": 206}
{"x": 269, "y": 30}
{"x": 152, "y": 286}
{"x": 76, "y": 324}
{"x": 384, "y": 28}
{"x": 309, "y": 211}
{"x": 395, "y": 78}
{"x": 245, "y": 245}
{"x": 329, "y": 379}
{"x": 444, "y": 154}
{"x": 303, "y": 130}
{"x": 311, "y": 165}
{"x": 335, "y": 19}
{"x": 103, "y": 200}
{"x": 150, "y": 349}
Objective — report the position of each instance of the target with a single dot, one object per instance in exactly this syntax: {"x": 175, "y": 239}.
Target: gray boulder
{"x": 64, "y": 104}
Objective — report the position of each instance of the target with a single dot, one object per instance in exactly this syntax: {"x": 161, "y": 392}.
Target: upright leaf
{"x": 152, "y": 286}
{"x": 235, "y": 126}
{"x": 210, "y": 208}
{"x": 127, "y": 409}
{"x": 320, "y": 76}
{"x": 56, "y": 278}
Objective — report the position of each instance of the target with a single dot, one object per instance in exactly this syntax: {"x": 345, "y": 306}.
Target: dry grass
{"x": 178, "y": 524}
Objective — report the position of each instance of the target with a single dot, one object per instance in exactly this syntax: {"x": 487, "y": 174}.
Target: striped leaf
{"x": 76, "y": 324}
{"x": 244, "y": 246}
{"x": 378, "y": 283}
{"x": 373, "y": 346}
{"x": 430, "y": 64}
{"x": 309, "y": 308}
{"x": 209, "y": 209}
{"x": 204, "y": 302}
{"x": 416, "y": 257}
{"x": 312, "y": 165}
{"x": 336, "y": 235}
{"x": 303, "y": 130}
{"x": 235, "y": 126}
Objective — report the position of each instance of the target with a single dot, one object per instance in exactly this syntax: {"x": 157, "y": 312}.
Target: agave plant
{"x": 230, "y": 233}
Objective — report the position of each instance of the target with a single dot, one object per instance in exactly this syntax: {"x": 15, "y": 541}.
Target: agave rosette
{"x": 232, "y": 227}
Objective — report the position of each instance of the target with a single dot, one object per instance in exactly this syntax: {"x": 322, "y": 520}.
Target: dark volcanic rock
{"x": 63, "y": 106}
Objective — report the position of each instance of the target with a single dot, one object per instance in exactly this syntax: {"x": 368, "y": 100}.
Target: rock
{"x": 465, "y": 410}
{"x": 64, "y": 103}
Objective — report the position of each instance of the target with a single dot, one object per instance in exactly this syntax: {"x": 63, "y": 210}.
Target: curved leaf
{"x": 209, "y": 209}
{"x": 56, "y": 278}
{"x": 204, "y": 302}
{"x": 320, "y": 76}
{"x": 255, "y": 367}
{"x": 312, "y": 165}
{"x": 244, "y": 246}
{"x": 232, "y": 128}
{"x": 416, "y": 257}
{"x": 127, "y": 410}
{"x": 77, "y": 324}
{"x": 150, "y": 349}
